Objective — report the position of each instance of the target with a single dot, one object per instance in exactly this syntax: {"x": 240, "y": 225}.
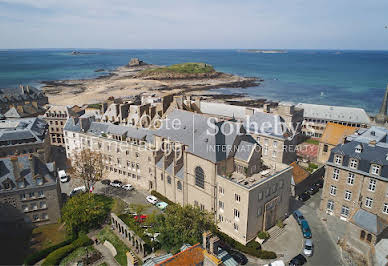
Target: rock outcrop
{"x": 135, "y": 62}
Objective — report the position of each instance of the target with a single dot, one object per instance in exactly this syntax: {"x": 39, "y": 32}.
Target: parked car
{"x": 140, "y": 218}
{"x": 313, "y": 189}
{"x": 238, "y": 257}
{"x": 303, "y": 197}
{"x": 128, "y": 187}
{"x": 298, "y": 260}
{"x": 276, "y": 263}
{"x": 63, "y": 177}
{"x": 305, "y": 229}
{"x": 161, "y": 205}
{"x": 298, "y": 216}
{"x": 152, "y": 199}
{"x": 77, "y": 190}
{"x": 105, "y": 182}
{"x": 116, "y": 183}
{"x": 319, "y": 183}
{"x": 308, "y": 247}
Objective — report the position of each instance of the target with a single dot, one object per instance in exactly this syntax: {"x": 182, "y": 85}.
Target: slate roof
{"x": 244, "y": 150}
{"x": 7, "y": 171}
{"x": 20, "y": 129}
{"x": 335, "y": 133}
{"x": 222, "y": 109}
{"x": 157, "y": 260}
{"x": 226, "y": 258}
{"x": 12, "y": 94}
{"x": 201, "y": 138}
{"x": 337, "y": 113}
{"x": 266, "y": 124}
{"x": 368, "y": 221}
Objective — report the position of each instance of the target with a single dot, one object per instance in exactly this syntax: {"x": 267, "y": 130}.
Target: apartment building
{"x": 316, "y": 117}
{"x": 56, "y": 117}
{"x": 30, "y": 185}
{"x": 193, "y": 162}
{"x": 356, "y": 182}
{"x": 24, "y": 136}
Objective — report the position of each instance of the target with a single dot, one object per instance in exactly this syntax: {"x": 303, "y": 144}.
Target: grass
{"x": 48, "y": 235}
{"x": 76, "y": 255}
{"x": 121, "y": 248}
{"x": 185, "y": 68}
{"x": 95, "y": 105}
{"x": 312, "y": 141}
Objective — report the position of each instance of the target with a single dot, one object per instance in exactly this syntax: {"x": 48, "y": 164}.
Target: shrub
{"x": 161, "y": 197}
{"x": 37, "y": 256}
{"x": 252, "y": 247}
{"x": 263, "y": 235}
{"x": 280, "y": 224}
{"x": 267, "y": 255}
{"x": 55, "y": 257}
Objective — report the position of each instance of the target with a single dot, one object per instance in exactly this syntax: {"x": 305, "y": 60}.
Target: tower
{"x": 382, "y": 115}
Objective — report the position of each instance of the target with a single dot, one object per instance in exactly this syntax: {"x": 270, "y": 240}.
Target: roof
{"x": 266, "y": 124}
{"x": 244, "y": 150}
{"x": 189, "y": 255}
{"x": 22, "y": 129}
{"x": 337, "y": 113}
{"x": 20, "y": 94}
{"x": 222, "y": 109}
{"x": 7, "y": 171}
{"x": 335, "y": 133}
{"x": 226, "y": 258}
{"x": 298, "y": 173}
{"x": 368, "y": 221}
{"x": 157, "y": 260}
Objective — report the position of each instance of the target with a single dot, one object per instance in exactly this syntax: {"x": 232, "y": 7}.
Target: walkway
{"x": 106, "y": 254}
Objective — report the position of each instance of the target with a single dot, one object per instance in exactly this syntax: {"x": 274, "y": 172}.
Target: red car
{"x": 140, "y": 218}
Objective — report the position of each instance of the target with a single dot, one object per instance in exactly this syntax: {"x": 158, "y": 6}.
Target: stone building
{"x": 187, "y": 161}
{"x": 316, "y": 117}
{"x": 30, "y": 185}
{"x": 20, "y": 96}
{"x": 356, "y": 183}
{"x": 333, "y": 135}
{"x": 56, "y": 117}
{"x": 24, "y": 136}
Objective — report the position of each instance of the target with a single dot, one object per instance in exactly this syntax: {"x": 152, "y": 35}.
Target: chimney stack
{"x": 16, "y": 168}
{"x": 28, "y": 89}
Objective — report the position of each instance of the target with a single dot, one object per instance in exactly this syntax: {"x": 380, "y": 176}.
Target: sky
{"x": 200, "y": 24}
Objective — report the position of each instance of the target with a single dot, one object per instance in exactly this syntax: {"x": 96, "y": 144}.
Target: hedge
{"x": 161, "y": 197}
{"x": 40, "y": 255}
{"x": 55, "y": 257}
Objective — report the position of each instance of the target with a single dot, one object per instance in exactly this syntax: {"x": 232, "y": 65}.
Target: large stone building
{"x": 56, "y": 117}
{"x": 356, "y": 183}
{"x": 215, "y": 166}
{"x": 29, "y": 185}
{"x": 20, "y": 96}
{"x": 24, "y": 136}
{"x": 317, "y": 116}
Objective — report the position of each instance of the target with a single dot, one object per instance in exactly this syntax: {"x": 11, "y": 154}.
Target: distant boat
{"x": 75, "y": 52}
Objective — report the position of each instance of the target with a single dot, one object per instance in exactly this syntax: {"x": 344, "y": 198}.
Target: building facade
{"x": 30, "y": 185}
{"x": 187, "y": 161}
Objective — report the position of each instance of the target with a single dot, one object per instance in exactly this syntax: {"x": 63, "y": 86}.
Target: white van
{"x": 77, "y": 190}
{"x": 63, "y": 176}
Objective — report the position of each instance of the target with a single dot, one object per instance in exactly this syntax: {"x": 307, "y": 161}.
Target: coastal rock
{"x": 135, "y": 62}
{"x": 99, "y": 70}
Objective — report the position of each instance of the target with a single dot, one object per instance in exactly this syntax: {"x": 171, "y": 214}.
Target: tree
{"x": 85, "y": 211}
{"x": 88, "y": 166}
{"x": 180, "y": 225}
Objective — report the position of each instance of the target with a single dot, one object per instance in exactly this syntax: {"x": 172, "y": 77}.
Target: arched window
{"x": 362, "y": 235}
{"x": 179, "y": 185}
{"x": 199, "y": 177}
{"x": 169, "y": 179}
{"x": 369, "y": 238}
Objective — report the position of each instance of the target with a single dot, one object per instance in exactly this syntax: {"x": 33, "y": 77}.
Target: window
{"x": 237, "y": 197}
{"x": 44, "y": 216}
{"x": 35, "y": 217}
{"x": 358, "y": 149}
{"x": 274, "y": 154}
{"x": 260, "y": 196}
{"x": 338, "y": 159}
{"x": 333, "y": 190}
{"x": 161, "y": 176}
{"x": 353, "y": 163}
{"x": 350, "y": 178}
{"x": 236, "y": 214}
{"x": 325, "y": 148}
{"x": 330, "y": 205}
{"x": 202, "y": 207}
{"x": 221, "y": 190}
{"x": 259, "y": 211}
{"x": 21, "y": 184}
{"x": 258, "y": 139}
{"x": 43, "y": 204}
{"x": 348, "y": 195}
{"x": 39, "y": 181}
{"x": 368, "y": 202}
{"x": 235, "y": 226}
{"x": 281, "y": 183}
{"x": 275, "y": 144}
{"x": 385, "y": 208}
{"x": 32, "y": 194}
{"x": 34, "y": 206}
{"x": 375, "y": 169}
{"x": 199, "y": 177}
{"x": 221, "y": 205}
{"x": 336, "y": 173}
{"x": 25, "y": 208}
{"x": 179, "y": 185}
{"x": 169, "y": 179}
{"x": 344, "y": 211}
{"x": 23, "y": 196}
{"x": 220, "y": 218}
{"x": 265, "y": 150}
{"x": 372, "y": 185}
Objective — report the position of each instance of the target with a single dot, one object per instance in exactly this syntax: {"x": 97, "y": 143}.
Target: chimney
{"x": 19, "y": 108}
{"x": 214, "y": 243}
{"x": 372, "y": 143}
{"x": 31, "y": 159}
{"x": 21, "y": 86}
{"x": 15, "y": 167}
{"x": 28, "y": 89}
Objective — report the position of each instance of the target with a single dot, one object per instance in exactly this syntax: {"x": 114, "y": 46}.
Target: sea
{"x": 333, "y": 77}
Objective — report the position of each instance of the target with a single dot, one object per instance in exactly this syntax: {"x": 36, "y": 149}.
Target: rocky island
{"x": 138, "y": 76}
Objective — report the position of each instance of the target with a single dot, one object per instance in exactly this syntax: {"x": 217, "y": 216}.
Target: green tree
{"x": 181, "y": 225}
{"x": 85, "y": 211}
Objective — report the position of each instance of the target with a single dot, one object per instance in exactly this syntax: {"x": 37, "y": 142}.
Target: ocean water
{"x": 350, "y": 78}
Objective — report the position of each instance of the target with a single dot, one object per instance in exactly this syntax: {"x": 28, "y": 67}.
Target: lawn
{"x": 48, "y": 235}
{"x": 312, "y": 141}
{"x": 121, "y": 248}
{"x": 76, "y": 255}
{"x": 185, "y": 68}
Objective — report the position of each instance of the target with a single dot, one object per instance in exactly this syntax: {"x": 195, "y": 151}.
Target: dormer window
{"x": 358, "y": 149}
{"x": 39, "y": 181}
{"x": 353, "y": 163}
{"x": 7, "y": 185}
{"x": 338, "y": 159}
{"x": 375, "y": 169}
{"x": 21, "y": 184}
